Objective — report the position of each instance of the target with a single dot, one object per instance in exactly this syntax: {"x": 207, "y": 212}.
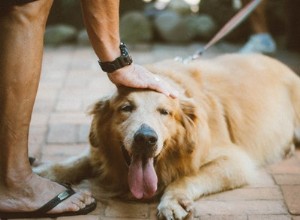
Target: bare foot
{"x": 31, "y": 194}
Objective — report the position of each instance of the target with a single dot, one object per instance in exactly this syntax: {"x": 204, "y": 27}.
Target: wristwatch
{"x": 123, "y": 60}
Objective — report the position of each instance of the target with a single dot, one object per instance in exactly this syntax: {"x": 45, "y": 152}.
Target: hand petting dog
{"x": 136, "y": 76}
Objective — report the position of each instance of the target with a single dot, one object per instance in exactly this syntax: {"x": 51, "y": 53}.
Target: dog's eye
{"x": 163, "y": 111}
{"x": 126, "y": 108}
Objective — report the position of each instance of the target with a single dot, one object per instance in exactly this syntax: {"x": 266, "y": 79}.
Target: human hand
{"x": 136, "y": 76}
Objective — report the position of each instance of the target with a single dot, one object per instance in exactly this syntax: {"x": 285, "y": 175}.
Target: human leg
{"x": 21, "y": 45}
{"x": 261, "y": 40}
{"x": 258, "y": 19}
{"x": 293, "y": 25}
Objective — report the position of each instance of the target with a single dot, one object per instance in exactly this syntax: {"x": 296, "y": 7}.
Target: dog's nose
{"x": 145, "y": 136}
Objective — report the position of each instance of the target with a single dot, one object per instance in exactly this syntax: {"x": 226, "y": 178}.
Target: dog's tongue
{"x": 142, "y": 178}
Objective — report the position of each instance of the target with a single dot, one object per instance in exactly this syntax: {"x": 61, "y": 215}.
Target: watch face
{"x": 124, "y": 49}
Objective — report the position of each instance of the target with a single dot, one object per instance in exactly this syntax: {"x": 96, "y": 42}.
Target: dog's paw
{"x": 177, "y": 207}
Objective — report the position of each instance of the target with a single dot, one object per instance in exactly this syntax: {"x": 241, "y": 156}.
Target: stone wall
{"x": 142, "y": 22}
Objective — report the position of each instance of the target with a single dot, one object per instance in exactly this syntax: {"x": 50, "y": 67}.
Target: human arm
{"x": 102, "y": 22}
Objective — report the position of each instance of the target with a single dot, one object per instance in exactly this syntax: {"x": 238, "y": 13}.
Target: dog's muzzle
{"x": 142, "y": 178}
{"x": 145, "y": 141}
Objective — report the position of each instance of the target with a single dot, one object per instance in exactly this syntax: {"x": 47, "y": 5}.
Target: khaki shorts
{"x": 7, "y": 3}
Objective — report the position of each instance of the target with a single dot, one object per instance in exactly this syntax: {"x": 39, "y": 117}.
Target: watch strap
{"x": 120, "y": 62}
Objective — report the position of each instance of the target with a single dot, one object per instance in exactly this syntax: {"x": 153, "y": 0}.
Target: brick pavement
{"x": 71, "y": 81}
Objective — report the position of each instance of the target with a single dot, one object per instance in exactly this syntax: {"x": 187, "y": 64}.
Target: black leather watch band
{"x": 123, "y": 60}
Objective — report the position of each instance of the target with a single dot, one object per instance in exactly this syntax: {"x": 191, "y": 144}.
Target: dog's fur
{"x": 234, "y": 113}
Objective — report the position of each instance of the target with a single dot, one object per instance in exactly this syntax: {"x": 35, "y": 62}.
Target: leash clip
{"x": 189, "y": 59}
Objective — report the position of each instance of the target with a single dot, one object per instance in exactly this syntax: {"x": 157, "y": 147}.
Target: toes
{"x": 164, "y": 213}
{"x": 76, "y": 202}
{"x": 187, "y": 204}
{"x": 66, "y": 206}
{"x": 87, "y": 198}
{"x": 84, "y": 197}
{"x": 174, "y": 209}
{"x": 179, "y": 212}
{"x": 79, "y": 203}
{"x": 72, "y": 208}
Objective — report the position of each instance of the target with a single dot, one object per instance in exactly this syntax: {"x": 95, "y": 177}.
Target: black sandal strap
{"x": 31, "y": 160}
{"x": 56, "y": 200}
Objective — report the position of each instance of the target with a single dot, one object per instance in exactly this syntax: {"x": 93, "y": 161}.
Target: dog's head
{"x": 143, "y": 128}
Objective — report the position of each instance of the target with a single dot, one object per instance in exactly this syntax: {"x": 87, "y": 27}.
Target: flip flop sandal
{"x": 42, "y": 212}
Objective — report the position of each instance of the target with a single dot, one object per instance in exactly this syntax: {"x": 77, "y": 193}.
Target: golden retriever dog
{"x": 233, "y": 114}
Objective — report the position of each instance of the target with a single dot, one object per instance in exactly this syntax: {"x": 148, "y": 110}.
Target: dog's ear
{"x": 101, "y": 113}
{"x": 100, "y": 107}
{"x": 189, "y": 110}
{"x": 194, "y": 121}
